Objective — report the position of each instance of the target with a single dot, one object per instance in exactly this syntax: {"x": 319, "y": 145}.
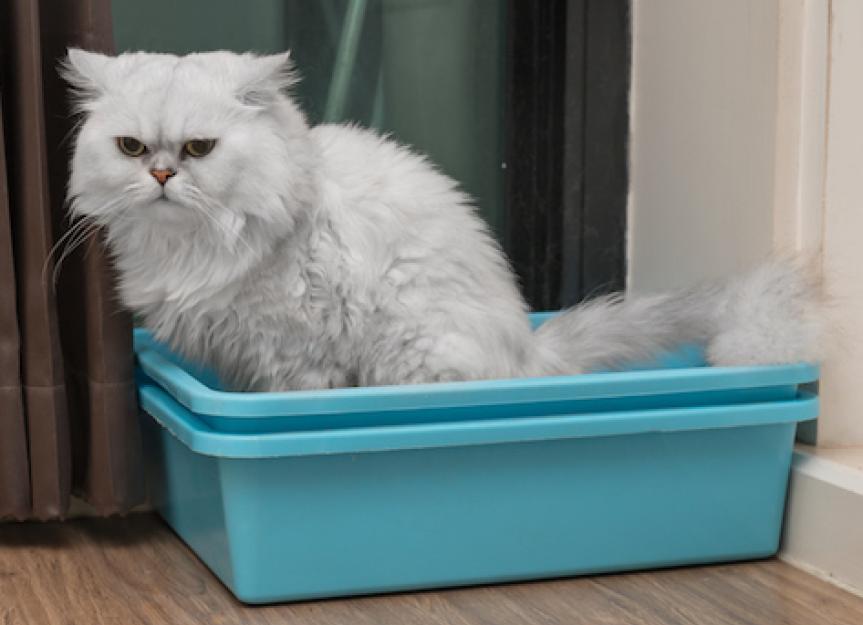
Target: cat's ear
{"x": 265, "y": 78}
{"x": 86, "y": 74}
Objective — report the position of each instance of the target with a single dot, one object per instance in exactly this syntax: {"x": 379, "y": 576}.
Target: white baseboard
{"x": 824, "y": 518}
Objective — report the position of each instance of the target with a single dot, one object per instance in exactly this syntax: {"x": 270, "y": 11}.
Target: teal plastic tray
{"x": 299, "y": 515}
{"x": 677, "y": 379}
{"x": 286, "y": 498}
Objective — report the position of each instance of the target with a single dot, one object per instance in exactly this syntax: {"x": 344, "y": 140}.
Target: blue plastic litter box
{"x": 290, "y": 496}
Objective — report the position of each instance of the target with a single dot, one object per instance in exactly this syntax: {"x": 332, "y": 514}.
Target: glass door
{"x": 523, "y": 102}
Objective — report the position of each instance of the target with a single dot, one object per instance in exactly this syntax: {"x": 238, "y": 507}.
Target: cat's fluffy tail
{"x": 772, "y": 315}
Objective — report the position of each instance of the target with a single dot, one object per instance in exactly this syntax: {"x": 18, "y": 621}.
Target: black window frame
{"x": 566, "y": 147}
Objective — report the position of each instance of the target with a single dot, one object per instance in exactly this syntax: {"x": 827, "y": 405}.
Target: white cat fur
{"x": 297, "y": 257}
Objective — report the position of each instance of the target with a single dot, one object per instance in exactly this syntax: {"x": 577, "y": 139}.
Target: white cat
{"x": 297, "y": 257}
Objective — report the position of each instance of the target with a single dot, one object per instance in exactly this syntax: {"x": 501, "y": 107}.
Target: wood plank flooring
{"x": 135, "y": 571}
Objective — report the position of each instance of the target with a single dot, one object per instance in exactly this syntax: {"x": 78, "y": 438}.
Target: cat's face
{"x": 206, "y": 144}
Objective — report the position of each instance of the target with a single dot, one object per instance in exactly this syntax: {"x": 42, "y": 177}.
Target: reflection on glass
{"x": 428, "y": 71}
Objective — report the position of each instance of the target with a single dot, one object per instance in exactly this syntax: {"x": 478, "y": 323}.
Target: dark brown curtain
{"x": 68, "y": 418}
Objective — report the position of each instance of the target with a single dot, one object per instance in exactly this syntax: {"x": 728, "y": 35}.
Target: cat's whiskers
{"x": 79, "y": 232}
{"x": 71, "y": 234}
{"x": 199, "y": 202}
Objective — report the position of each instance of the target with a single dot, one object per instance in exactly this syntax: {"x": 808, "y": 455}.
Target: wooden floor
{"x": 136, "y": 572}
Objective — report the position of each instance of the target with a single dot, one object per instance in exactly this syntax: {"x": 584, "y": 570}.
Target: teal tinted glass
{"x": 428, "y": 71}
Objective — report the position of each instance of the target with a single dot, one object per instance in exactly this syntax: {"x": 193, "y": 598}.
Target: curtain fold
{"x": 14, "y": 470}
{"x": 69, "y": 420}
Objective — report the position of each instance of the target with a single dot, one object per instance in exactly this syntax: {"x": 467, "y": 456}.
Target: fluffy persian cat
{"x": 298, "y": 257}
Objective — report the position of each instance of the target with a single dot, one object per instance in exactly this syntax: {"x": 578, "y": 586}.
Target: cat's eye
{"x": 199, "y": 147}
{"x": 130, "y": 146}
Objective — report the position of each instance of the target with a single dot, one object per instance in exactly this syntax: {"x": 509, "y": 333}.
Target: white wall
{"x": 842, "y": 402}
{"x": 747, "y": 136}
{"x": 703, "y": 138}
{"x": 801, "y": 137}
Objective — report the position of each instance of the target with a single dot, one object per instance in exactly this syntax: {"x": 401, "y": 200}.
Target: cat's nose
{"x": 162, "y": 175}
